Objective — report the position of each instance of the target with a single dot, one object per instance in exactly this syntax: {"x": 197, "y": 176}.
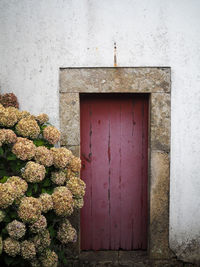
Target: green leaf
{"x": 35, "y": 187}
{"x": 8, "y": 260}
{"x": 18, "y": 262}
{"x": 14, "y": 215}
{"x": 4, "y": 231}
{"x": 29, "y": 192}
{"x": 17, "y": 165}
{"x": 61, "y": 255}
{"x": 14, "y": 166}
{"x": 44, "y": 190}
{"x": 65, "y": 261}
{"x": 4, "y": 179}
{"x": 46, "y": 182}
{"x": 1, "y": 151}
{"x": 1, "y": 165}
{"x": 7, "y": 219}
{"x": 47, "y": 170}
{"x": 43, "y": 127}
{"x": 52, "y": 231}
{"x": 2, "y": 173}
{"x": 11, "y": 156}
{"x": 39, "y": 142}
{"x": 49, "y": 191}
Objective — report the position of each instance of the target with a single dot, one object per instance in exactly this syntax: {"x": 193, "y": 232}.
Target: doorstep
{"x": 122, "y": 259}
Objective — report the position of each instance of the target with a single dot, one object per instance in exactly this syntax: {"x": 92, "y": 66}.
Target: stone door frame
{"x": 155, "y": 81}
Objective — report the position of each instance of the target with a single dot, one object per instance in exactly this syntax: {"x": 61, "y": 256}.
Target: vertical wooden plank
{"x": 137, "y": 137}
{"x": 128, "y": 172}
{"x": 144, "y": 197}
{"x": 133, "y": 225}
{"x": 115, "y": 175}
{"x": 86, "y": 175}
{"x": 100, "y": 168}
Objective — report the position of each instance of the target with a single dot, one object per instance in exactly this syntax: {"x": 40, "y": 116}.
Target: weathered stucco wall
{"x": 39, "y": 37}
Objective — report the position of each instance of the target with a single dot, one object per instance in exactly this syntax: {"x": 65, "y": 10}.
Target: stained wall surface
{"x": 37, "y": 37}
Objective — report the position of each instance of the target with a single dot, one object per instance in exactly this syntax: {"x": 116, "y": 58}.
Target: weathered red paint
{"x": 114, "y": 153}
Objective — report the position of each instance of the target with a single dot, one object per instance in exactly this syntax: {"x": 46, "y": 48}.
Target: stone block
{"x": 103, "y": 257}
{"x": 159, "y": 206}
{"x": 160, "y": 121}
{"x": 110, "y": 80}
{"x": 166, "y": 263}
{"x": 70, "y": 119}
{"x": 133, "y": 256}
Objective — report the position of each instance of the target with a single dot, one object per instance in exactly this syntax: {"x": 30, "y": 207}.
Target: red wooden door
{"x": 114, "y": 141}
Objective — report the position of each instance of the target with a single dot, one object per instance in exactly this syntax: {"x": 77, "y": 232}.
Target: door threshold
{"x": 122, "y": 258}
{"x": 115, "y": 257}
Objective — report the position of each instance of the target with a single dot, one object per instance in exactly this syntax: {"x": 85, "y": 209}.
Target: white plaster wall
{"x": 37, "y": 37}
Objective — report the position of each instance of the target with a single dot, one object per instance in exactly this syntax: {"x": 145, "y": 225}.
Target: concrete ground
{"x": 122, "y": 259}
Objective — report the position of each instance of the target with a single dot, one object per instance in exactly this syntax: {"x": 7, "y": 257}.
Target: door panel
{"x": 114, "y": 149}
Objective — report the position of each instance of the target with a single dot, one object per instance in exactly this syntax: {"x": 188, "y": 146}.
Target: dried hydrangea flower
{"x": 10, "y": 136}
{"x": 29, "y": 209}
{"x": 33, "y": 172}
{"x": 24, "y": 149}
{"x": 49, "y": 259}
{"x": 2, "y": 137}
{"x": 7, "y": 195}
{"x": 1, "y": 107}
{"x": 22, "y": 114}
{"x": 42, "y": 241}
{"x": 46, "y": 201}
{"x": 51, "y": 134}
{"x": 12, "y": 109}
{"x": 19, "y": 185}
{"x": 7, "y": 118}
{"x": 9, "y": 100}
{"x": 2, "y": 215}
{"x": 1, "y": 245}
{"x": 43, "y": 156}
{"x": 70, "y": 173}
{"x": 28, "y": 127}
{"x": 39, "y": 226}
{"x": 62, "y": 201}
{"x": 28, "y": 250}
{"x": 78, "y": 203}
{"x": 35, "y": 263}
{"x": 59, "y": 177}
{"x": 61, "y": 156}
{"x": 18, "y": 200}
{"x": 16, "y": 229}
{"x": 76, "y": 186}
{"x": 11, "y": 247}
{"x": 66, "y": 233}
{"x": 42, "y": 118}
{"x": 75, "y": 164}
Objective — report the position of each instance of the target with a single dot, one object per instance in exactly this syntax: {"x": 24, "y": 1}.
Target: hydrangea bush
{"x": 39, "y": 189}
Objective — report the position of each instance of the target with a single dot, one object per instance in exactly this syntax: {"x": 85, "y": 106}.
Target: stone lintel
{"x": 110, "y": 80}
